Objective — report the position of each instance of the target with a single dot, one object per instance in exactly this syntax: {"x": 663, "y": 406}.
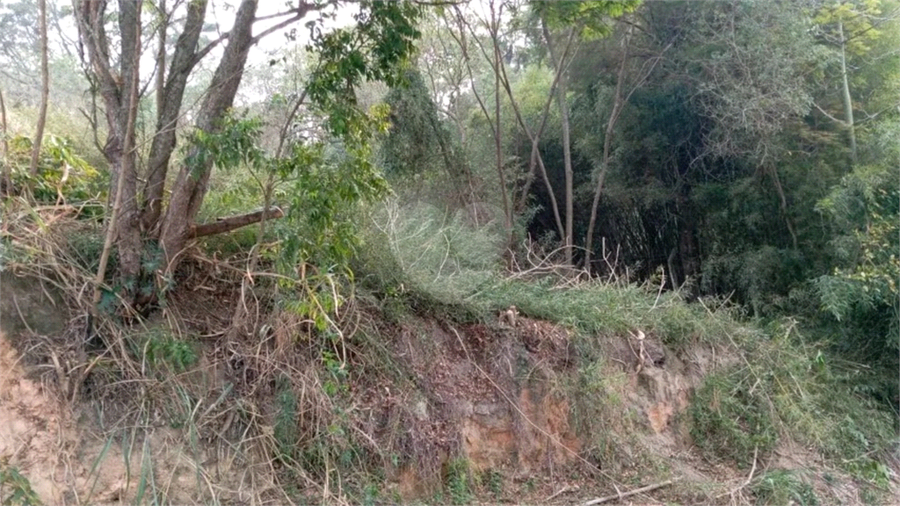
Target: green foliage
{"x": 731, "y": 418}
{"x": 165, "y": 351}
{"x": 373, "y": 50}
{"x": 286, "y": 420}
{"x": 458, "y": 480}
{"x": 62, "y": 172}
{"x": 868, "y": 204}
{"x": 421, "y": 247}
{"x": 492, "y": 479}
{"x": 15, "y": 489}
{"x": 411, "y": 145}
{"x": 861, "y": 293}
{"x": 780, "y": 487}
{"x": 592, "y": 19}
{"x": 234, "y": 144}
{"x": 788, "y": 389}
{"x": 858, "y": 24}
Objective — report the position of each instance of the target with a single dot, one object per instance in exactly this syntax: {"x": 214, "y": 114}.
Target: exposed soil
{"x": 496, "y": 395}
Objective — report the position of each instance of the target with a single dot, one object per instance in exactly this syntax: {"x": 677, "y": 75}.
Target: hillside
{"x": 537, "y": 389}
{"x": 450, "y": 252}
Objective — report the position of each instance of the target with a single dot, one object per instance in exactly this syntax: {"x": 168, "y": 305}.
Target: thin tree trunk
{"x": 773, "y": 170}
{"x": 604, "y": 162}
{"x": 567, "y": 145}
{"x": 128, "y": 233}
{"x": 45, "y": 91}
{"x": 848, "y": 103}
{"x": 536, "y": 161}
{"x": 493, "y": 123}
{"x": 223, "y": 225}
{"x": 161, "y": 58}
{"x": 191, "y": 184}
{"x": 4, "y": 146}
{"x": 619, "y": 103}
{"x": 116, "y": 94}
{"x": 498, "y": 145}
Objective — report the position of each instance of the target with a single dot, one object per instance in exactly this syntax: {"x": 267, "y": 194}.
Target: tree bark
{"x": 507, "y": 208}
{"x": 116, "y": 90}
{"x": 169, "y": 108}
{"x": 191, "y": 182}
{"x": 535, "y": 161}
{"x": 45, "y": 91}
{"x": 4, "y": 146}
{"x": 561, "y": 92}
{"x": 495, "y": 123}
{"x": 223, "y": 225}
{"x": 619, "y": 103}
{"x": 161, "y": 57}
{"x": 848, "y": 103}
{"x": 129, "y": 252}
{"x": 604, "y": 162}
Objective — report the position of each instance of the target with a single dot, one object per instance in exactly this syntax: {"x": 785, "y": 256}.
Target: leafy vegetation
{"x": 710, "y": 175}
{"x": 15, "y": 489}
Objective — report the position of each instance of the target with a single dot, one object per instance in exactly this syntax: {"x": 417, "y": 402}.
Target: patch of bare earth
{"x": 498, "y": 395}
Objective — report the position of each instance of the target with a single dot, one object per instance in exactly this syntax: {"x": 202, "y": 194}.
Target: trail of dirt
{"x": 34, "y": 431}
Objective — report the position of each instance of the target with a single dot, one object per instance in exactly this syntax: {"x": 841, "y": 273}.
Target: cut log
{"x": 222, "y": 225}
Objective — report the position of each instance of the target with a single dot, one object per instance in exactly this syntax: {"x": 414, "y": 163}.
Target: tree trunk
{"x": 619, "y": 104}
{"x": 169, "y": 109}
{"x": 128, "y": 231}
{"x": 191, "y": 182}
{"x": 4, "y": 146}
{"x": 561, "y": 91}
{"x": 122, "y": 225}
{"x": 848, "y": 103}
{"x": 604, "y": 163}
{"x": 536, "y": 161}
{"x": 116, "y": 90}
{"x": 45, "y": 91}
{"x": 507, "y": 208}
{"x": 161, "y": 57}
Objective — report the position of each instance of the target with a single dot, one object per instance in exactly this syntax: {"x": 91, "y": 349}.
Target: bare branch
{"x": 230, "y": 223}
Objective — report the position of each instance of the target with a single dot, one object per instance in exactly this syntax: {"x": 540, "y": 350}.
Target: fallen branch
{"x": 222, "y": 225}
{"x": 623, "y": 495}
{"x": 566, "y": 488}
{"x": 749, "y": 477}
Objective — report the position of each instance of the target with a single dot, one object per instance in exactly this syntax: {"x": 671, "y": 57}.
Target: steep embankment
{"x": 418, "y": 405}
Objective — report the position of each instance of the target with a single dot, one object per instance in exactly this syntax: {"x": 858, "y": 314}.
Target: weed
{"x": 15, "y": 489}
{"x": 285, "y": 419}
{"x": 458, "y": 481}
{"x": 781, "y": 487}
{"x": 731, "y": 418}
{"x": 166, "y": 351}
{"x": 493, "y": 481}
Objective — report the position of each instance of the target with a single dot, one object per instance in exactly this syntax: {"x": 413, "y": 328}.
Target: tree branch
{"x": 222, "y": 225}
{"x": 832, "y": 118}
{"x": 629, "y": 493}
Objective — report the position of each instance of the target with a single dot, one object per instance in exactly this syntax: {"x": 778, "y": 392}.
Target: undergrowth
{"x": 333, "y": 409}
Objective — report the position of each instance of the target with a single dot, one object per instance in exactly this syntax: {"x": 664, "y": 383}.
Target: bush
{"x": 732, "y": 419}
{"x": 61, "y": 173}
{"x": 780, "y": 487}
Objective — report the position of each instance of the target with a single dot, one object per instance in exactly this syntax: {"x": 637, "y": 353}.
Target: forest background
{"x": 739, "y": 151}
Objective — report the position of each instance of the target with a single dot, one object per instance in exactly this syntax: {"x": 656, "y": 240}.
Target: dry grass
{"x": 264, "y": 408}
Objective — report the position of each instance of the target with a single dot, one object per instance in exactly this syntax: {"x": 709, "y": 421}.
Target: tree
{"x": 6, "y": 169}
{"x": 854, "y": 30}
{"x": 620, "y": 100}
{"x": 149, "y": 233}
{"x": 588, "y": 20}
{"x": 45, "y": 89}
